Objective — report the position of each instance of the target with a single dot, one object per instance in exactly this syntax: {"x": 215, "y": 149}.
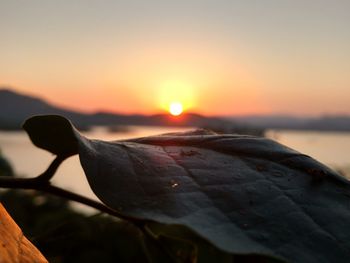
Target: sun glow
{"x": 175, "y": 108}
{"x": 176, "y": 97}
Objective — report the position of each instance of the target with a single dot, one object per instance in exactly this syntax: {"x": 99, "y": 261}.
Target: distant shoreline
{"x": 15, "y": 108}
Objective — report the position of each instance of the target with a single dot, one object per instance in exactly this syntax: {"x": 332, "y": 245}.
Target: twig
{"x": 42, "y": 183}
{"x": 51, "y": 170}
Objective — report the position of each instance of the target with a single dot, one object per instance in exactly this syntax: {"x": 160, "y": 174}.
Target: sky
{"x": 216, "y": 57}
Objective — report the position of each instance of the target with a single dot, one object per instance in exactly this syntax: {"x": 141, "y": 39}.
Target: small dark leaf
{"x": 245, "y": 195}
{"x": 53, "y": 133}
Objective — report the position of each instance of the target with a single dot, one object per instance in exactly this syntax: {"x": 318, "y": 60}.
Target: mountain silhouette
{"x": 15, "y": 108}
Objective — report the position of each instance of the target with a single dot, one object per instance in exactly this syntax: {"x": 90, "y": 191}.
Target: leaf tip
{"x": 53, "y": 133}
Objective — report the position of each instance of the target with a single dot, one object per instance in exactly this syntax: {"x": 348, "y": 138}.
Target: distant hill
{"x": 15, "y": 108}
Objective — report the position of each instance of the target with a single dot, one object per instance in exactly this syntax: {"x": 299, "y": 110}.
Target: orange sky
{"x": 215, "y": 57}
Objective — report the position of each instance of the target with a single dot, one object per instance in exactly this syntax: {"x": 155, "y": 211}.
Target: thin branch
{"x": 51, "y": 170}
{"x": 89, "y": 202}
{"x": 42, "y": 183}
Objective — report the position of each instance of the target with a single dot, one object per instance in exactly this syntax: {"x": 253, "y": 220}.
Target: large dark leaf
{"x": 245, "y": 195}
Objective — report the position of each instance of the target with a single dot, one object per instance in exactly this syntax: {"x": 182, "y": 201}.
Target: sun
{"x": 175, "y": 108}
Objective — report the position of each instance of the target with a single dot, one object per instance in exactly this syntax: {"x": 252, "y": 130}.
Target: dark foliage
{"x": 64, "y": 235}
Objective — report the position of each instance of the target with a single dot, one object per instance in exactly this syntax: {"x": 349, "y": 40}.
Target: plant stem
{"x": 42, "y": 183}
{"x": 51, "y": 170}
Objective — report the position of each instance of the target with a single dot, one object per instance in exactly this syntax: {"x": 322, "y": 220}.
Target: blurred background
{"x": 121, "y": 69}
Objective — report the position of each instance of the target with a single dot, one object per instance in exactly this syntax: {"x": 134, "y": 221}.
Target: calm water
{"x": 330, "y": 148}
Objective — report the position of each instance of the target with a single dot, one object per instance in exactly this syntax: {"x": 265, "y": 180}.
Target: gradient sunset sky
{"x": 216, "y": 57}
